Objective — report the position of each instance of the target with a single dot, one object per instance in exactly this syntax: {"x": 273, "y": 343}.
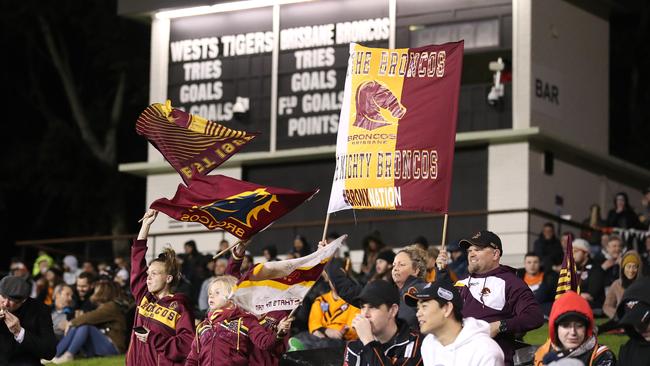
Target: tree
{"x": 79, "y": 78}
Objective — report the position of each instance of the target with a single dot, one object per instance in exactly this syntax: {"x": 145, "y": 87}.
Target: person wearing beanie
{"x": 630, "y": 271}
{"x": 383, "y": 265}
{"x": 571, "y": 334}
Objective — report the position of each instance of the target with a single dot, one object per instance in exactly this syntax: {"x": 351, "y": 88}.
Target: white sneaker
{"x": 66, "y": 357}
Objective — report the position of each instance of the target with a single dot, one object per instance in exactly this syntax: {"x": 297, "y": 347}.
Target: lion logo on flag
{"x": 376, "y": 104}
{"x": 242, "y": 207}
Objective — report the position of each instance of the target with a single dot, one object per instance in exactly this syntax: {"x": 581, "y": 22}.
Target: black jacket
{"x": 348, "y": 290}
{"x": 637, "y": 350}
{"x": 39, "y": 342}
{"x": 403, "y": 349}
{"x": 545, "y": 293}
{"x": 592, "y": 281}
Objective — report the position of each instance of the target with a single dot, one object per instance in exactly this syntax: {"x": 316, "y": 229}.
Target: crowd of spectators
{"x": 92, "y": 309}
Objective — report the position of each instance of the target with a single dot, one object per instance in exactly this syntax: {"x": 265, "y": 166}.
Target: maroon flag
{"x": 568, "y": 280}
{"x": 190, "y": 143}
{"x": 397, "y": 129}
{"x": 238, "y": 207}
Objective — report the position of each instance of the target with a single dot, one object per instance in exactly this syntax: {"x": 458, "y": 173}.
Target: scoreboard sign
{"x": 215, "y": 58}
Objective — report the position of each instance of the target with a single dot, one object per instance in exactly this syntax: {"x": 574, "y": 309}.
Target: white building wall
{"x": 508, "y": 182}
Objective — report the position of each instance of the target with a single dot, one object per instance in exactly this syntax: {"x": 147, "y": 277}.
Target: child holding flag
{"x": 228, "y": 335}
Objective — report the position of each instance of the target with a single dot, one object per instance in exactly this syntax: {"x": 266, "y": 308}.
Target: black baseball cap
{"x": 442, "y": 289}
{"x": 14, "y": 287}
{"x": 379, "y": 292}
{"x": 483, "y": 239}
{"x": 635, "y": 313}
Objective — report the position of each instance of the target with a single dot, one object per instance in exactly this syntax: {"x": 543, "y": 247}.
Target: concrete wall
{"x": 569, "y": 88}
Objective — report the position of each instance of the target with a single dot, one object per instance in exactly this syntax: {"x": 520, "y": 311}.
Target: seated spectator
{"x": 644, "y": 215}
{"x": 47, "y": 283}
{"x": 592, "y": 276}
{"x": 450, "y": 339}
{"x": 634, "y": 315}
{"x": 645, "y": 256}
{"x": 42, "y": 263}
{"x": 70, "y": 269}
{"x": 270, "y": 253}
{"x": 548, "y": 248}
{"x": 19, "y": 269}
{"x": 219, "y": 270}
{"x": 458, "y": 264}
{"x": 85, "y": 288}
{"x": 596, "y": 223}
{"x": 630, "y": 272}
{"x": 330, "y": 321}
{"x": 384, "y": 265}
{"x": 432, "y": 270}
{"x": 542, "y": 283}
{"x": 300, "y": 247}
{"x": 121, "y": 271}
{"x": 247, "y": 262}
{"x": 371, "y": 245}
{"x": 101, "y": 332}
{"x": 571, "y": 334}
{"x": 62, "y": 310}
{"x": 421, "y": 242}
{"x": 622, "y": 215}
{"x": 609, "y": 259}
{"x": 89, "y": 267}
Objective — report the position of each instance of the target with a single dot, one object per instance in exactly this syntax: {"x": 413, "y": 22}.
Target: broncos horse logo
{"x": 373, "y": 99}
{"x": 242, "y": 207}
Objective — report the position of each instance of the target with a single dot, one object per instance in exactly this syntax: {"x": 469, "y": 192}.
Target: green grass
{"x": 538, "y": 336}
{"x": 99, "y": 361}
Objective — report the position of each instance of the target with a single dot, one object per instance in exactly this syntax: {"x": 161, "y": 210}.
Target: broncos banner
{"x": 282, "y": 285}
{"x": 238, "y": 207}
{"x": 190, "y": 143}
{"x": 395, "y": 143}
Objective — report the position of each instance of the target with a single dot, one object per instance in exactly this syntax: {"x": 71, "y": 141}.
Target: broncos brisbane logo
{"x": 242, "y": 207}
{"x": 373, "y": 100}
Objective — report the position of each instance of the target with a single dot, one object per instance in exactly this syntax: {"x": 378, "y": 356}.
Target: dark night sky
{"x": 51, "y": 184}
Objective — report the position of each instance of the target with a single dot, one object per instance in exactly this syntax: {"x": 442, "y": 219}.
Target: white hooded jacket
{"x": 473, "y": 347}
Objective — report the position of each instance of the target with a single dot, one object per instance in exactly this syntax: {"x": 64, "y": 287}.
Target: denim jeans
{"x": 86, "y": 338}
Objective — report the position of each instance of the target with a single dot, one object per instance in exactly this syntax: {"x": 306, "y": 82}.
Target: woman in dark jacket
{"x": 101, "y": 332}
{"x": 622, "y": 215}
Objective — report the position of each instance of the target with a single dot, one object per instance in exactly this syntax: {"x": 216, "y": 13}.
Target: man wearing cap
{"x": 493, "y": 293}
{"x": 450, "y": 339}
{"x": 634, "y": 315}
{"x": 592, "y": 276}
{"x": 26, "y": 332}
{"x": 383, "y": 339}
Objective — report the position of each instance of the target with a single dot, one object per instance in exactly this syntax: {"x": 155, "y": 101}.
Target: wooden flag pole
{"x": 444, "y": 234}
{"x": 327, "y": 222}
{"x": 225, "y": 250}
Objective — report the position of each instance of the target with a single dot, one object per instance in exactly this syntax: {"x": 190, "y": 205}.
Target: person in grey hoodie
{"x": 451, "y": 340}
{"x": 493, "y": 293}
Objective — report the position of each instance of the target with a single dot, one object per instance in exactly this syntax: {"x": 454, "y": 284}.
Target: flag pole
{"x": 444, "y": 233}
{"x": 226, "y": 250}
{"x": 327, "y": 222}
